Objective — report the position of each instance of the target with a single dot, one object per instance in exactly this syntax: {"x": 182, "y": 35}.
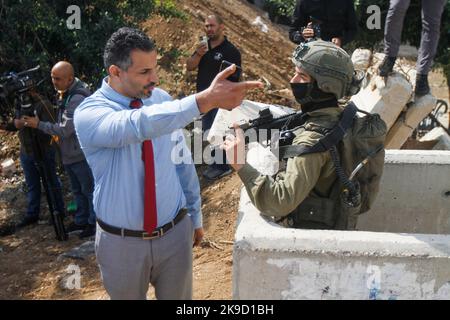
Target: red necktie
{"x": 150, "y": 216}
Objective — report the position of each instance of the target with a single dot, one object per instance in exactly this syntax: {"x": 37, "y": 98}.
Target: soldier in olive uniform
{"x": 324, "y": 73}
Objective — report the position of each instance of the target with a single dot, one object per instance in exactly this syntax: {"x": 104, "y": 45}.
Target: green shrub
{"x": 280, "y": 10}
{"x": 35, "y": 32}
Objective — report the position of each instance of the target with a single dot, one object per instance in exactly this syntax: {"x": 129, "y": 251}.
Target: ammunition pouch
{"x": 313, "y": 213}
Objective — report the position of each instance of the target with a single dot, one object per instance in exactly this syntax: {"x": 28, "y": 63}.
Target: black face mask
{"x": 311, "y": 97}
{"x": 301, "y": 91}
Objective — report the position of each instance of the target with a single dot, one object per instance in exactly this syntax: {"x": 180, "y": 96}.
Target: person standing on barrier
{"x": 431, "y": 20}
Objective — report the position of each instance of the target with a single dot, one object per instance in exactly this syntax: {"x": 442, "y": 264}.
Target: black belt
{"x": 157, "y": 233}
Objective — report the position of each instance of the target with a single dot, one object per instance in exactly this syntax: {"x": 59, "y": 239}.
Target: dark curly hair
{"x": 121, "y": 43}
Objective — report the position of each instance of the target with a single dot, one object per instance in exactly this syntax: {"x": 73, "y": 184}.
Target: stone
{"x": 408, "y": 122}
{"x": 387, "y": 98}
{"x": 262, "y": 159}
{"x": 361, "y": 59}
{"x": 80, "y": 253}
{"x": 8, "y": 167}
{"x": 439, "y": 135}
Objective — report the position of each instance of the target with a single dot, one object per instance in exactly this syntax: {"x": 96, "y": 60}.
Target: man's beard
{"x": 213, "y": 37}
{"x": 143, "y": 95}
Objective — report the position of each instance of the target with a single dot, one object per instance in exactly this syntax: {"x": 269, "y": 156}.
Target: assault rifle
{"x": 283, "y": 124}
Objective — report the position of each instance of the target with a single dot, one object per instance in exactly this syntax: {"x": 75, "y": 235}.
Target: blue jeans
{"x": 82, "y": 182}
{"x": 207, "y": 122}
{"x": 33, "y": 181}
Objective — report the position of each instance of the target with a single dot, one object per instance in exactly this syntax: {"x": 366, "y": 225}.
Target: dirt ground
{"x": 29, "y": 268}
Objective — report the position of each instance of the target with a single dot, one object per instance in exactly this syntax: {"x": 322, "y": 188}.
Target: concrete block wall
{"x": 387, "y": 98}
{"x": 442, "y": 138}
{"x": 405, "y": 124}
{"x": 414, "y": 194}
{"x": 273, "y": 262}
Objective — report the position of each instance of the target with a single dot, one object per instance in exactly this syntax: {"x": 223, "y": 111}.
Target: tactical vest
{"x": 356, "y": 146}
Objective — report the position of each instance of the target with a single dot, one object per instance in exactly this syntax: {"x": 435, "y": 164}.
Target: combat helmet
{"x": 330, "y": 66}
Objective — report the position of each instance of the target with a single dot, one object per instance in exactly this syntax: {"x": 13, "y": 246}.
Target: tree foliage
{"x": 35, "y": 32}
{"x": 280, "y": 11}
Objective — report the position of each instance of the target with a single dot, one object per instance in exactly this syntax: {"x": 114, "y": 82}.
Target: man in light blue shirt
{"x": 112, "y": 135}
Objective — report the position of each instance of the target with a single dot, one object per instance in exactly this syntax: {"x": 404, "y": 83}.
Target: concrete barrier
{"x": 414, "y": 194}
{"x": 273, "y": 262}
{"x": 440, "y": 136}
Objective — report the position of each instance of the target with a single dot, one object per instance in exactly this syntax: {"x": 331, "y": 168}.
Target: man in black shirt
{"x": 208, "y": 57}
{"x": 336, "y": 20}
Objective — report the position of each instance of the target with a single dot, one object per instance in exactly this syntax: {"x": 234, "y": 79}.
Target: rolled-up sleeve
{"x": 281, "y": 195}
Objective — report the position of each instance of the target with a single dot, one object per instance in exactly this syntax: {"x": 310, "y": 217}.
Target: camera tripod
{"x": 48, "y": 183}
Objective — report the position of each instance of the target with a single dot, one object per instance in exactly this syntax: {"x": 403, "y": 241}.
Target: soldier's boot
{"x": 422, "y": 86}
{"x": 386, "y": 66}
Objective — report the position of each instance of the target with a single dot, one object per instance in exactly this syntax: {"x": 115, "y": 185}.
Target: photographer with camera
{"x": 71, "y": 92}
{"x": 329, "y": 20}
{"x": 31, "y": 104}
{"x": 208, "y": 58}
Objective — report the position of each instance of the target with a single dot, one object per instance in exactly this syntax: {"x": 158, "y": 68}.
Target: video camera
{"x": 14, "y": 88}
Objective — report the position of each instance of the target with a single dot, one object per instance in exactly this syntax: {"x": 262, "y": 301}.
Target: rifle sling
{"x": 329, "y": 140}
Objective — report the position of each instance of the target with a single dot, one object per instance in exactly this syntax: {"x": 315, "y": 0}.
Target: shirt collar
{"x": 225, "y": 40}
{"x": 113, "y": 95}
